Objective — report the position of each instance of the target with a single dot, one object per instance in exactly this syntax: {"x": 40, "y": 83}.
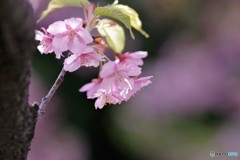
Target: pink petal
{"x": 74, "y": 22}
{"x": 91, "y": 59}
{"x": 134, "y": 71}
{"x": 144, "y": 81}
{"x": 85, "y": 35}
{"x": 88, "y": 50}
{"x": 138, "y": 84}
{"x": 39, "y": 35}
{"x": 91, "y": 88}
{"x": 129, "y": 82}
{"x": 57, "y": 53}
{"x": 114, "y": 98}
{"x": 71, "y": 59}
{"x": 108, "y": 84}
{"x": 86, "y": 87}
{"x": 71, "y": 63}
{"x": 58, "y": 27}
{"x": 139, "y": 54}
{"x": 108, "y": 69}
{"x": 94, "y": 62}
{"x": 100, "y": 102}
{"x": 60, "y": 42}
{"x": 41, "y": 49}
{"x": 76, "y": 45}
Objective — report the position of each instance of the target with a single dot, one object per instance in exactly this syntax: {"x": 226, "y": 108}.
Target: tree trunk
{"x": 17, "y": 119}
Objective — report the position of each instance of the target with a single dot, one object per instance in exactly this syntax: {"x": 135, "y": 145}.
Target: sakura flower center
{"x": 71, "y": 34}
{"x": 85, "y": 59}
{"x": 46, "y": 42}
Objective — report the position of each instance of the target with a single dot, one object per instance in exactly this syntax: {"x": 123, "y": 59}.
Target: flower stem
{"x": 48, "y": 97}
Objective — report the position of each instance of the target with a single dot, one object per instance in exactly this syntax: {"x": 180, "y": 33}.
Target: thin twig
{"x": 48, "y": 97}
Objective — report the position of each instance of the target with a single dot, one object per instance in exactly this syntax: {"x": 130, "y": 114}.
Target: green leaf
{"x": 116, "y": 13}
{"x": 114, "y": 34}
{"x": 56, "y": 4}
{"x": 134, "y": 18}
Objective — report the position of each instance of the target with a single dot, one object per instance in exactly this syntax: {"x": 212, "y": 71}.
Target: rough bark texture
{"x": 17, "y": 119}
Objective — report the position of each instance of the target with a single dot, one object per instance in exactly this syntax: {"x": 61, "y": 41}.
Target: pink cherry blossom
{"x": 118, "y": 76}
{"x": 99, "y": 88}
{"x": 104, "y": 98}
{"x": 94, "y": 90}
{"x": 70, "y": 35}
{"x": 45, "y": 39}
{"x": 139, "y": 83}
{"x": 134, "y": 58}
{"x": 87, "y": 58}
{"x": 91, "y": 88}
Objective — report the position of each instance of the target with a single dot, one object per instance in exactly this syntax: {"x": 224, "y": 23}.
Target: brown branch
{"x": 17, "y": 119}
{"x": 48, "y": 97}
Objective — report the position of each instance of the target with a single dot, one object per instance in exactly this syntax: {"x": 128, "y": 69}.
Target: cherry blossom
{"x": 139, "y": 83}
{"x": 70, "y": 35}
{"x": 91, "y": 88}
{"x": 104, "y": 98}
{"x": 117, "y": 80}
{"x": 95, "y": 89}
{"x": 134, "y": 58}
{"x": 87, "y": 58}
{"x": 45, "y": 39}
{"x": 117, "y": 76}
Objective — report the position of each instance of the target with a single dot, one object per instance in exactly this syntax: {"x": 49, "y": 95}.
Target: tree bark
{"x": 17, "y": 119}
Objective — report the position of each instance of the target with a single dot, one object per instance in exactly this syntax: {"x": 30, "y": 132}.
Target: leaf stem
{"x": 48, "y": 97}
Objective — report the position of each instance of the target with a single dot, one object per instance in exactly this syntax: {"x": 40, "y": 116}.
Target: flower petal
{"x": 39, "y": 35}
{"x": 134, "y": 70}
{"x": 139, "y": 54}
{"x": 107, "y": 69}
{"x": 58, "y": 27}
{"x": 57, "y": 53}
{"x": 72, "y": 63}
{"x": 100, "y": 102}
{"x": 108, "y": 84}
{"x": 41, "y": 49}
{"x": 76, "y": 45}
{"x": 86, "y": 87}
{"x": 74, "y": 22}
{"x": 60, "y": 42}
{"x": 85, "y": 35}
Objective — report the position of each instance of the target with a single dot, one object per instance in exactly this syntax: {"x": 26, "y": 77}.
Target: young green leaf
{"x": 56, "y": 4}
{"x": 116, "y": 13}
{"x": 134, "y": 18}
{"x": 114, "y": 34}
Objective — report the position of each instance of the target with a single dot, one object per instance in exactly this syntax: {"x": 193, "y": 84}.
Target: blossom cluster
{"x": 118, "y": 79}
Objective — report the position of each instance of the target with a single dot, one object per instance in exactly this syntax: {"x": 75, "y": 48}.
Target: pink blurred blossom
{"x": 70, "y": 35}
{"x": 117, "y": 76}
{"x": 87, "y": 58}
{"x": 118, "y": 82}
{"x": 45, "y": 39}
{"x": 134, "y": 58}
